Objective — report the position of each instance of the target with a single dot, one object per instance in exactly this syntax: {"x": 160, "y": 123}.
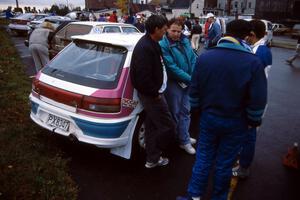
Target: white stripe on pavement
{"x": 26, "y": 56}
{"x": 19, "y": 45}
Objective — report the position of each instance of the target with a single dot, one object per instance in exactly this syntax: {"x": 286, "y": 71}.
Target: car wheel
{"x": 138, "y": 143}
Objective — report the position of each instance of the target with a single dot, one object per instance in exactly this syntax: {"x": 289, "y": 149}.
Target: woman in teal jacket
{"x": 180, "y": 60}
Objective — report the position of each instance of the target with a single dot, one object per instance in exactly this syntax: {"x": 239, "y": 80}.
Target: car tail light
{"x": 35, "y": 84}
{"x": 105, "y": 105}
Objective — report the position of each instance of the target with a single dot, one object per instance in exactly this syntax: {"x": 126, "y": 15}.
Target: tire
{"x": 138, "y": 143}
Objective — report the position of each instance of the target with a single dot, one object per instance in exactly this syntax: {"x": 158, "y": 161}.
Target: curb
{"x": 282, "y": 44}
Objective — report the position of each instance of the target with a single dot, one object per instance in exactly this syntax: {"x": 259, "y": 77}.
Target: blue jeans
{"x": 219, "y": 142}
{"x": 179, "y": 105}
{"x": 248, "y": 148}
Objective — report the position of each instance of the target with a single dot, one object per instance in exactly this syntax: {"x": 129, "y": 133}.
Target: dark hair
{"x": 177, "y": 21}
{"x": 155, "y": 21}
{"x": 258, "y": 27}
{"x": 238, "y": 28}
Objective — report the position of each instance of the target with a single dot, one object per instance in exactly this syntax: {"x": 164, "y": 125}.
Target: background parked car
{"x": 19, "y": 24}
{"x": 55, "y": 20}
{"x": 63, "y": 37}
{"x": 58, "y": 23}
{"x": 296, "y": 31}
{"x": 85, "y": 93}
{"x": 279, "y": 29}
{"x": 79, "y": 15}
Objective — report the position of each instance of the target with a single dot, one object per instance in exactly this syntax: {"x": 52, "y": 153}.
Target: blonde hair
{"x": 48, "y": 25}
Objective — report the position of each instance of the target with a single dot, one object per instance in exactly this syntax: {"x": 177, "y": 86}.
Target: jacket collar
{"x": 172, "y": 43}
{"x": 234, "y": 43}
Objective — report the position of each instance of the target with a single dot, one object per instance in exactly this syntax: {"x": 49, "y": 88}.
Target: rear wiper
{"x": 53, "y": 70}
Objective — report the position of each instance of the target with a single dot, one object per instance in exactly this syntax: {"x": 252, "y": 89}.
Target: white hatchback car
{"x": 85, "y": 92}
{"x": 63, "y": 37}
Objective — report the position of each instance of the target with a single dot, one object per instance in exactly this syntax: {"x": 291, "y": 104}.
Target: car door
{"x": 63, "y": 37}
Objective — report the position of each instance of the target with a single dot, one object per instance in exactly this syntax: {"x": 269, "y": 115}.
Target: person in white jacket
{"x": 39, "y": 44}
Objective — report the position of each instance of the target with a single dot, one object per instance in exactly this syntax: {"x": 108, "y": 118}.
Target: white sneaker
{"x": 161, "y": 162}
{"x": 188, "y": 148}
{"x": 193, "y": 140}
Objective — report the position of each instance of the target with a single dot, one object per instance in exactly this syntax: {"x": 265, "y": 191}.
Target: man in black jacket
{"x": 149, "y": 78}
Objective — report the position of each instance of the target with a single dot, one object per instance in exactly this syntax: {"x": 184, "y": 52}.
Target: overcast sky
{"x": 40, "y": 3}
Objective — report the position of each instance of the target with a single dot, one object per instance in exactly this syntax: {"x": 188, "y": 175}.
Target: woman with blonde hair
{"x": 39, "y": 44}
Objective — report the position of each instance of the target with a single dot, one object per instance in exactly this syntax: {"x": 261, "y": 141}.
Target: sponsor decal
{"x": 129, "y": 103}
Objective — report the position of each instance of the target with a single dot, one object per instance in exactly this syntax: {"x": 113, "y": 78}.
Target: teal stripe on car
{"x": 34, "y": 107}
{"x": 101, "y": 130}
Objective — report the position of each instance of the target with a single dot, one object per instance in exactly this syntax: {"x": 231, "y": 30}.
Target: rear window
{"x": 111, "y": 29}
{"x": 26, "y": 16}
{"x": 296, "y": 26}
{"x": 38, "y": 17}
{"x": 77, "y": 29}
{"x": 130, "y": 30}
{"x": 95, "y": 65}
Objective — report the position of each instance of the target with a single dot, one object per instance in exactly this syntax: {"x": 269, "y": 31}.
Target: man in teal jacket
{"x": 180, "y": 60}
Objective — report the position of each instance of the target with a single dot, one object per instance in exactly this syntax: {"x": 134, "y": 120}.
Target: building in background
{"x": 235, "y": 7}
{"x": 100, "y": 4}
{"x": 282, "y": 11}
{"x": 172, "y": 8}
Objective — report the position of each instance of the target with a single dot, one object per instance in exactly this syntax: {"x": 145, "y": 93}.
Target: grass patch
{"x": 31, "y": 165}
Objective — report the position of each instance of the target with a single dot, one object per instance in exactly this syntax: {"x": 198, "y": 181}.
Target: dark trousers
{"x": 160, "y": 128}
{"x": 248, "y": 148}
{"x": 219, "y": 143}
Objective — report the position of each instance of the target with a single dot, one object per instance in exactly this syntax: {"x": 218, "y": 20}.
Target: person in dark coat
{"x": 149, "y": 78}
{"x": 139, "y": 25}
{"x": 229, "y": 89}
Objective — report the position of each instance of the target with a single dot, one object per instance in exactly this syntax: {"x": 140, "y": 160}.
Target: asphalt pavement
{"x": 103, "y": 176}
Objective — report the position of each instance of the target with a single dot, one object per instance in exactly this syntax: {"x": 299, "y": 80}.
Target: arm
{"x": 172, "y": 66}
{"x": 265, "y": 55}
{"x": 217, "y": 29}
{"x": 194, "y": 93}
{"x": 257, "y": 96}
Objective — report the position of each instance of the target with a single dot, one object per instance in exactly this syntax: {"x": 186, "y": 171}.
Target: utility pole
{"x": 17, "y": 3}
{"x": 228, "y": 7}
{"x": 190, "y": 10}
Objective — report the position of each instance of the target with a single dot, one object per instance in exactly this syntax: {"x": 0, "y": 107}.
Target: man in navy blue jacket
{"x": 149, "y": 78}
{"x": 229, "y": 88}
{"x": 256, "y": 39}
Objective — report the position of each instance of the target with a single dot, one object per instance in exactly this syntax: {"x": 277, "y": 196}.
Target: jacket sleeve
{"x": 172, "y": 67}
{"x": 257, "y": 96}
{"x": 264, "y": 53}
{"x": 218, "y": 33}
{"x": 194, "y": 94}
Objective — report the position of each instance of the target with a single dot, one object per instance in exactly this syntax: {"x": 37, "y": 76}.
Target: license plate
{"x": 58, "y": 122}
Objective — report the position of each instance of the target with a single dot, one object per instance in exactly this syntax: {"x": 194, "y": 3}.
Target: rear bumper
{"x": 105, "y": 133}
{"x": 17, "y": 27}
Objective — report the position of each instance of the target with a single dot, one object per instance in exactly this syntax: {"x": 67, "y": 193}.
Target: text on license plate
{"x": 58, "y": 122}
